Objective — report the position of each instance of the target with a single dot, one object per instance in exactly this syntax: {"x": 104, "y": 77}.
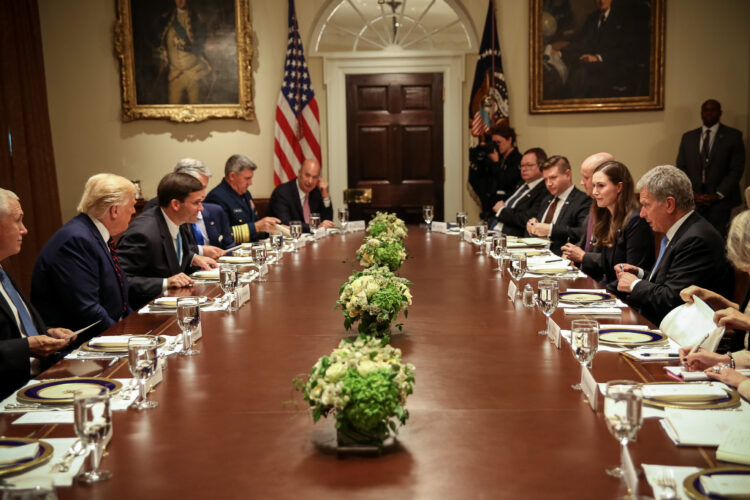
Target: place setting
{"x": 582, "y": 301}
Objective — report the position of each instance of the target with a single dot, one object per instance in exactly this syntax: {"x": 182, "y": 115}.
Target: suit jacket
{"x": 634, "y": 245}
{"x": 569, "y": 221}
{"x": 726, "y": 162}
{"x": 147, "y": 255}
{"x": 286, "y": 205}
{"x": 217, "y": 226}
{"x": 75, "y": 283}
{"x": 15, "y": 368}
{"x": 514, "y": 219}
{"x": 239, "y": 209}
{"x": 695, "y": 256}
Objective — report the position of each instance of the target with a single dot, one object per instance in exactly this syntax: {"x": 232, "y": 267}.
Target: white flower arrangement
{"x": 387, "y": 224}
{"x": 381, "y": 250}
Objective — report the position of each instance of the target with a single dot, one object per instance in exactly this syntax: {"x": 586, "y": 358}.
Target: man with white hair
{"x": 26, "y": 345}
{"x": 691, "y": 252}
{"x": 77, "y": 278}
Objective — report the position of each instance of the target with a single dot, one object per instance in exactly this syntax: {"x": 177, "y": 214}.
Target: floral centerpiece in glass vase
{"x": 381, "y": 250}
{"x": 364, "y": 383}
{"x": 374, "y": 297}
{"x": 386, "y": 224}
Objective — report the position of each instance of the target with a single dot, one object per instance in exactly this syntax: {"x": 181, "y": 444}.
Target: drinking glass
{"x": 314, "y": 223}
{"x": 461, "y": 222}
{"x": 427, "y": 213}
{"x": 480, "y": 234}
{"x": 498, "y": 251}
{"x": 343, "y": 218}
{"x": 259, "y": 254}
{"x": 549, "y": 293}
{"x": 584, "y": 340}
{"x": 92, "y": 419}
{"x": 622, "y": 414}
{"x": 295, "y": 228}
{"x": 277, "y": 243}
{"x": 228, "y": 280}
{"x": 518, "y": 269}
{"x": 143, "y": 361}
{"x": 189, "y": 320}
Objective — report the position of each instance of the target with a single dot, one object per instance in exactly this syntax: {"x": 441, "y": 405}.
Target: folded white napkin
{"x": 654, "y": 473}
{"x": 726, "y": 485}
{"x": 580, "y": 311}
{"x": 233, "y": 259}
{"x": 109, "y": 340}
{"x": 210, "y": 274}
{"x": 13, "y": 454}
{"x": 172, "y": 301}
{"x": 683, "y": 392}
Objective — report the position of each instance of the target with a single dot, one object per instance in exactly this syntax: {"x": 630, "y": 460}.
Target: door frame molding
{"x": 335, "y": 70}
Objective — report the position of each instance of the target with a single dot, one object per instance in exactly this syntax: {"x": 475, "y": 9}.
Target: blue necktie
{"x": 23, "y": 313}
{"x": 197, "y": 233}
{"x": 662, "y": 247}
{"x": 179, "y": 250}
{"x": 513, "y": 199}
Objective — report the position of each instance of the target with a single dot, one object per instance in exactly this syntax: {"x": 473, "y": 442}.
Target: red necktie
{"x": 113, "y": 253}
{"x": 306, "y": 209}
{"x": 551, "y": 211}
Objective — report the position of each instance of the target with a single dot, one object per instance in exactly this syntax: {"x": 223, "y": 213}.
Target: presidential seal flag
{"x": 297, "y": 129}
{"x": 489, "y": 95}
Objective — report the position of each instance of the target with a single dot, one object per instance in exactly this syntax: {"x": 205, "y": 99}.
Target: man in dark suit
{"x": 232, "y": 195}
{"x": 155, "y": 251}
{"x": 298, "y": 198}
{"x": 713, "y": 157}
{"x": 564, "y": 210}
{"x": 512, "y": 214}
{"x": 77, "y": 278}
{"x": 27, "y": 346}
{"x": 691, "y": 252}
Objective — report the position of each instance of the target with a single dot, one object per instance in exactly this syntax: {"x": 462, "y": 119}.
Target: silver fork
{"x": 75, "y": 450}
{"x": 668, "y": 486}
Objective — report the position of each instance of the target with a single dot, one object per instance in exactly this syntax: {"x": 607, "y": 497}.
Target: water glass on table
{"x": 189, "y": 320}
{"x": 518, "y": 269}
{"x": 498, "y": 251}
{"x": 228, "y": 281}
{"x": 295, "y": 229}
{"x": 277, "y": 243}
{"x": 343, "y": 218}
{"x": 622, "y": 414}
{"x": 461, "y": 223}
{"x": 427, "y": 214}
{"x": 143, "y": 361}
{"x": 549, "y": 293}
{"x": 314, "y": 224}
{"x": 480, "y": 234}
{"x": 259, "y": 255}
{"x": 92, "y": 420}
{"x": 584, "y": 341}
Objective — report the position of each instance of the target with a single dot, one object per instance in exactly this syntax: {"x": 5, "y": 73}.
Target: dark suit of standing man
{"x": 692, "y": 251}
{"x": 77, "y": 280}
{"x": 713, "y": 157}
{"x": 27, "y": 346}
{"x": 287, "y": 199}
{"x": 149, "y": 248}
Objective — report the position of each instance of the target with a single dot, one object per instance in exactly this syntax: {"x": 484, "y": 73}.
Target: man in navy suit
{"x": 713, "y": 157}
{"x": 564, "y": 210}
{"x": 512, "y": 214}
{"x": 155, "y": 251}
{"x": 691, "y": 252}
{"x": 300, "y": 197}
{"x": 77, "y": 278}
{"x": 27, "y": 346}
{"x": 233, "y": 196}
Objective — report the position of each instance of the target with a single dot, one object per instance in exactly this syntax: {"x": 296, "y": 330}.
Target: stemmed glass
{"x": 343, "y": 218}
{"x": 277, "y": 243}
{"x": 189, "y": 320}
{"x": 584, "y": 340}
{"x": 228, "y": 280}
{"x": 549, "y": 293}
{"x": 427, "y": 213}
{"x": 259, "y": 254}
{"x": 295, "y": 229}
{"x": 480, "y": 234}
{"x": 92, "y": 417}
{"x": 143, "y": 361}
{"x": 622, "y": 414}
{"x": 498, "y": 251}
{"x": 314, "y": 223}
{"x": 461, "y": 223}
{"x": 518, "y": 269}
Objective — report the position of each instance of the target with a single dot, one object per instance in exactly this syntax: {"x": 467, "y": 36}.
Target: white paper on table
{"x": 467, "y": 235}
{"x": 243, "y": 293}
{"x": 234, "y": 259}
{"x": 45, "y": 417}
{"x": 655, "y": 472}
{"x": 43, "y": 475}
{"x": 12, "y": 454}
{"x": 356, "y": 225}
{"x": 726, "y": 485}
{"x": 629, "y": 473}
{"x": 512, "y": 289}
{"x": 320, "y": 233}
{"x": 212, "y": 274}
{"x": 439, "y": 227}
{"x": 589, "y": 387}
{"x": 591, "y": 311}
{"x": 735, "y": 447}
{"x": 109, "y": 340}
{"x": 553, "y": 333}
{"x": 679, "y": 372}
{"x": 684, "y": 392}
{"x": 689, "y": 323}
{"x": 703, "y": 427}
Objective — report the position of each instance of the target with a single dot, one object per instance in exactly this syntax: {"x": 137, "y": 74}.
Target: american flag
{"x": 297, "y": 129}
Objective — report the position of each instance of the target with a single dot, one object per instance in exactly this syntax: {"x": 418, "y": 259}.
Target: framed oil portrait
{"x": 185, "y": 60}
{"x": 596, "y": 55}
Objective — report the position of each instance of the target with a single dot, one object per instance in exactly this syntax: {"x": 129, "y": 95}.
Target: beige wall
{"x": 707, "y": 55}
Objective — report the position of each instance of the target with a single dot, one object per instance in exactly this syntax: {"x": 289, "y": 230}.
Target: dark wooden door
{"x": 395, "y": 142}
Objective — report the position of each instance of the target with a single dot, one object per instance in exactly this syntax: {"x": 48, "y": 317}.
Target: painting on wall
{"x": 185, "y": 60}
{"x": 596, "y": 55}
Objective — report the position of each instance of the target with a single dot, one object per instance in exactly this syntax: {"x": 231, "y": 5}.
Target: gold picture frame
{"x": 565, "y": 76}
{"x": 185, "y": 60}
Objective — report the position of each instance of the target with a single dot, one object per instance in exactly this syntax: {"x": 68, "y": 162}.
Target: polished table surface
{"x": 492, "y": 414}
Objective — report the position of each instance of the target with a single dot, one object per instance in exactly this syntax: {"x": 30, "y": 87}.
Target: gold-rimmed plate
{"x": 591, "y": 297}
{"x": 694, "y": 489}
{"x": 119, "y": 343}
{"x": 629, "y": 337}
{"x": 170, "y": 303}
{"x": 62, "y": 390}
{"x": 731, "y": 400}
{"x": 43, "y": 454}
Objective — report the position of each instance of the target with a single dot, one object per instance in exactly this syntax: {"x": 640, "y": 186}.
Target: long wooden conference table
{"x": 492, "y": 414}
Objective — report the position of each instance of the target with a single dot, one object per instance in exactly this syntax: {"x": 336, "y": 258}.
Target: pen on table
{"x": 661, "y": 355}
{"x": 553, "y": 260}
